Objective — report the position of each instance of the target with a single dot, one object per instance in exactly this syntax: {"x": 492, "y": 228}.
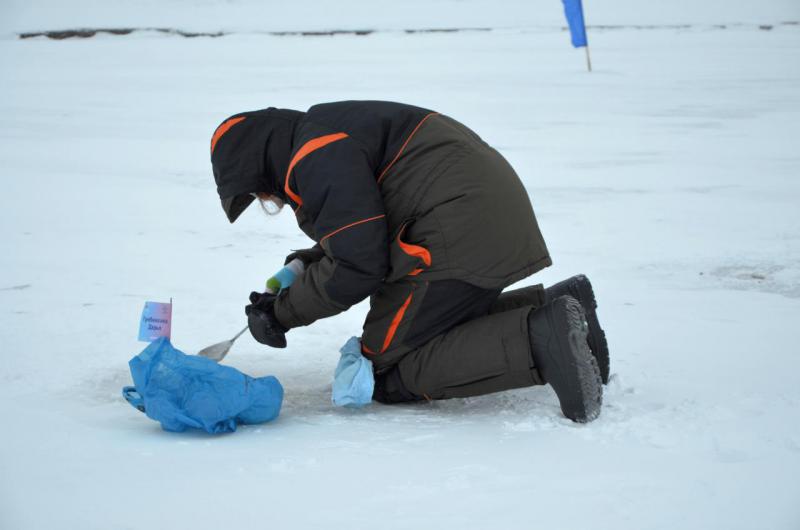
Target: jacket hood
{"x": 250, "y": 153}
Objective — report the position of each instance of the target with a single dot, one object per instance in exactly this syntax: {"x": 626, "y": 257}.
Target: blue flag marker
{"x": 573, "y": 9}
{"x": 156, "y": 321}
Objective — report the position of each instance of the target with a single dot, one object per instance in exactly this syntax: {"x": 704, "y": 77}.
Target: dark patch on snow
{"x": 85, "y": 33}
{"x": 444, "y": 30}
{"x": 324, "y": 33}
{"x": 16, "y": 287}
{"x": 75, "y": 33}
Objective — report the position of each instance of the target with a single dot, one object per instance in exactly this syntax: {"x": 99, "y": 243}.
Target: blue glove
{"x": 353, "y": 381}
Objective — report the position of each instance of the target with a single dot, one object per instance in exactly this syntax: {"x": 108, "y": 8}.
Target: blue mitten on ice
{"x": 353, "y": 381}
{"x": 181, "y": 391}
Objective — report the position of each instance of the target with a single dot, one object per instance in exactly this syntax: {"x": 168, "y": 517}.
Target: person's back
{"x": 443, "y": 187}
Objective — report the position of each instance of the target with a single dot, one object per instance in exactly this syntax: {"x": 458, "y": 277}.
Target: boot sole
{"x": 581, "y": 289}
{"x": 578, "y": 365}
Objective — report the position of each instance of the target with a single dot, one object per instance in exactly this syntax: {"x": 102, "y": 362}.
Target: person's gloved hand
{"x": 261, "y": 320}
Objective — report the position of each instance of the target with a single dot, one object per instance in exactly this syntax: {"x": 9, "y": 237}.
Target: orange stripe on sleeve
{"x": 351, "y": 225}
{"x": 222, "y": 129}
{"x": 307, "y": 148}
{"x": 402, "y": 148}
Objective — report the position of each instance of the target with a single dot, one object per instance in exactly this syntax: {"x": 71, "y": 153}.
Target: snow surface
{"x": 669, "y": 175}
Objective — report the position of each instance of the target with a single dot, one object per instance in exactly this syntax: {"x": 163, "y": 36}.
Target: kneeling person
{"x": 412, "y": 209}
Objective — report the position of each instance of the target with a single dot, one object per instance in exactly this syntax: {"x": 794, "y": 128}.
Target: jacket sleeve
{"x": 339, "y": 198}
{"x": 306, "y": 255}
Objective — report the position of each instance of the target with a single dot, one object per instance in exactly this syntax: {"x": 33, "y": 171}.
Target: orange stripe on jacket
{"x": 222, "y": 129}
{"x": 351, "y": 225}
{"x": 383, "y": 173}
{"x": 398, "y": 317}
{"x": 308, "y": 147}
{"x": 416, "y": 251}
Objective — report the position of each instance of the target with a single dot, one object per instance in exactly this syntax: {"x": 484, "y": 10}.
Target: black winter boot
{"x": 562, "y": 357}
{"x": 580, "y": 288}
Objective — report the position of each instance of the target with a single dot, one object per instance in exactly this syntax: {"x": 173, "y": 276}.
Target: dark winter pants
{"x": 449, "y": 339}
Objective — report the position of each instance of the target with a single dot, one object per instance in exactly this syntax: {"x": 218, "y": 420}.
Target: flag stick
{"x": 588, "y": 59}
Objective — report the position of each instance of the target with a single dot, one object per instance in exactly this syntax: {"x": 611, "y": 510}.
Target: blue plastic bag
{"x": 353, "y": 381}
{"x": 182, "y": 391}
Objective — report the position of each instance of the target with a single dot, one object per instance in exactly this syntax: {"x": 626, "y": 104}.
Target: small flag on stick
{"x": 156, "y": 321}
{"x": 573, "y": 9}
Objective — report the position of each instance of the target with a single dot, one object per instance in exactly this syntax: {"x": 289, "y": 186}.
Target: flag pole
{"x": 588, "y": 58}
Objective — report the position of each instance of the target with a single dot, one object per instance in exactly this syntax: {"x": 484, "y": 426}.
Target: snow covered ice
{"x": 669, "y": 176}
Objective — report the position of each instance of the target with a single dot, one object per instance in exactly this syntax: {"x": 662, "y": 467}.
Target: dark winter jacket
{"x": 388, "y": 191}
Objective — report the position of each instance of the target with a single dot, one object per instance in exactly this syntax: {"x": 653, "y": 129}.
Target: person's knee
{"x": 389, "y": 388}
